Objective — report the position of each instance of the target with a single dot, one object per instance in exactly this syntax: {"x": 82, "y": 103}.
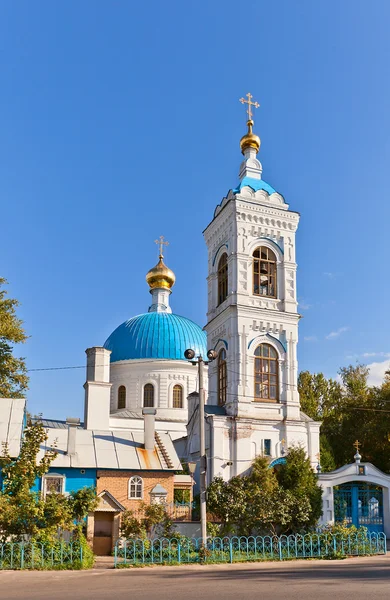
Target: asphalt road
{"x": 350, "y": 579}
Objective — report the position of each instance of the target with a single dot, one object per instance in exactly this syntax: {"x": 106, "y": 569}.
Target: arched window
{"x": 149, "y": 395}
{"x": 264, "y": 272}
{"x": 222, "y": 377}
{"x": 222, "y": 278}
{"x": 177, "y": 396}
{"x": 266, "y": 373}
{"x": 135, "y": 488}
{"x": 121, "y": 396}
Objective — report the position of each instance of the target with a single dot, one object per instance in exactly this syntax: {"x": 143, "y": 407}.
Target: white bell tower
{"x": 252, "y": 319}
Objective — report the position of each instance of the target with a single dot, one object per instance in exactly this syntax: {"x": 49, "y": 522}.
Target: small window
{"x": 52, "y": 484}
{"x": 222, "y": 377}
{"x": 149, "y": 395}
{"x": 177, "y": 396}
{"x": 264, "y": 272}
{"x": 135, "y": 488}
{"x": 222, "y": 278}
{"x": 267, "y": 447}
{"x": 266, "y": 373}
{"x": 121, "y": 396}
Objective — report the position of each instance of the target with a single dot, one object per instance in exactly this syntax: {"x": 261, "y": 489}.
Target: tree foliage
{"x": 24, "y": 512}
{"x": 152, "y": 520}
{"x": 268, "y": 501}
{"x": 349, "y": 409}
{"x": 13, "y": 374}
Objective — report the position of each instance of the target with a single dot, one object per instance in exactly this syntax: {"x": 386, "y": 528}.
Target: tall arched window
{"x": 266, "y": 373}
{"x": 177, "y": 396}
{"x": 222, "y": 278}
{"x": 222, "y": 377}
{"x": 135, "y": 488}
{"x": 264, "y": 272}
{"x": 121, "y": 396}
{"x": 149, "y": 395}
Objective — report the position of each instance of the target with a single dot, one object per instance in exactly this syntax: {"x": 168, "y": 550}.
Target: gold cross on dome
{"x": 161, "y": 242}
{"x": 250, "y": 104}
{"x": 357, "y": 444}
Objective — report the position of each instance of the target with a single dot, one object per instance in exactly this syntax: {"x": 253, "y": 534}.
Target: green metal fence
{"x": 32, "y": 555}
{"x": 238, "y": 549}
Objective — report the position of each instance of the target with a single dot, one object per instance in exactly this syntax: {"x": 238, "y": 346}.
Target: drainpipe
{"x": 149, "y": 415}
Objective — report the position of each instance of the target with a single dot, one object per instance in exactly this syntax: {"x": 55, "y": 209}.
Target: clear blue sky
{"x": 120, "y": 121}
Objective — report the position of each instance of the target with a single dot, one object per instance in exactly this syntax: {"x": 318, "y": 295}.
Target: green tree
{"x": 13, "y": 373}
{"x": 26, "y": 513}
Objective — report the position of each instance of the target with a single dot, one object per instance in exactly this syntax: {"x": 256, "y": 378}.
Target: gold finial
{"x": 160, "y": 276}
{"x": 250, "y": 140}
{"x": 161, "y": 242}
{"x": 357, "y": 444}
{"x": 250, "y": 104}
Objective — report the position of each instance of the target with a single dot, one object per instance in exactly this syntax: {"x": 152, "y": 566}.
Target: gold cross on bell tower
{"x": 250, "y": 104}
{"x": 161, "y": 243}
{"x": 357, "y": 444}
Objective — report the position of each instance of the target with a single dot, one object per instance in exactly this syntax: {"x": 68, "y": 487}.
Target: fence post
{"x": 280, "y": 548}
{"x": 115, "y": 554}
{"x": 231, "y": 550}
{"x": 179, "y": 552}
{"x": 81, "y": 554}
{"x": 22, "y": 556}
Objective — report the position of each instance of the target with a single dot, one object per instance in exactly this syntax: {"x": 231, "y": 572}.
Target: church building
{"x": 252, "y": 405}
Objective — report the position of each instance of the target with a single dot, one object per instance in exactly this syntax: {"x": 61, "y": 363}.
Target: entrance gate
{"x": 360, "y": 505}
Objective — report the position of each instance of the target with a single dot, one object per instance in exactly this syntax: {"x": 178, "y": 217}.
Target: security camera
{"x": 189, "y": 354}
{"x": 211, "y": 354}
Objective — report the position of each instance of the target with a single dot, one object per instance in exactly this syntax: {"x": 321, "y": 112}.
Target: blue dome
{"x": 156, "y": 335}
{"x": 255, "y": 184}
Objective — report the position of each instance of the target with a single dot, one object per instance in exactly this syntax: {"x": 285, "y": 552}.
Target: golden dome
{"x": 250, "y": 139}
{"x": 160, "y": 276}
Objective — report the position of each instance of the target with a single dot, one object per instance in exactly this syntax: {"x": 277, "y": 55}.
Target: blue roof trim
{"x": 156, "y": 336}
{"x": 216, "y": 254}
{"x": 255, "y": 184}
{"x": 223, "y": 342}
{"x": 269, "y": 336}
{"x": 278, "y": 461}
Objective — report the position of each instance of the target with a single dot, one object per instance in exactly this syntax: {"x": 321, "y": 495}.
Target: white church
{"x": 252, "y": 401}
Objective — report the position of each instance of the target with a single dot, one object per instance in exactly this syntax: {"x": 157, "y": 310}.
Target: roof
{"x": 55, "y": 423}
{"x": 157, "y": 336}
{"x": 126, "y": 413}
{"x": 255, "y": 184}
{"x": 111, "y": 450}
{"x": 12, "y": 416}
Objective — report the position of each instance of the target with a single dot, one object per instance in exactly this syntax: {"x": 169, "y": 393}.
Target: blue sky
{"x": 120, "y": 122}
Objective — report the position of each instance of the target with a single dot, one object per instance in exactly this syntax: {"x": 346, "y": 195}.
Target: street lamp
{"x": 211, "y": 355}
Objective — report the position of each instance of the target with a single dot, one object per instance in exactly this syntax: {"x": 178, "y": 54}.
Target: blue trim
{"x": 277, "y": 461}
{"x": 255, "y": 184}
{"x": 271, "y": 337}
{"x": 272, "y": 242}
{"x": 216, "y": 254}
{"x": 224, "y": 342}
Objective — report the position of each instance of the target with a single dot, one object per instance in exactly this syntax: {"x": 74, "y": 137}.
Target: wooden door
{"x": 102, "y": 537}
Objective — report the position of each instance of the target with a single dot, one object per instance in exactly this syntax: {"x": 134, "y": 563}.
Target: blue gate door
{"x": 359, "y": 505}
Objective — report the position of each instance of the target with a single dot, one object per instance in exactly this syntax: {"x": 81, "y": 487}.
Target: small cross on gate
{"x": 250, "y": 104}
{"x": 161, "y": 242}
{"x": 357, "y": 444}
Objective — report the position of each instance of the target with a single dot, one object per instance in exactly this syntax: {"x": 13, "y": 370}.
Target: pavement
{"x": 349, "y": 579}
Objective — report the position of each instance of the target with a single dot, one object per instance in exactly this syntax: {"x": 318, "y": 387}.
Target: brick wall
{"x": 116, "y": 482}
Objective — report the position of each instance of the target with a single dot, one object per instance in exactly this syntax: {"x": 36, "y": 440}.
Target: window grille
{"x": 222, "y": 377}
{"x": 121, "y": 396}
{"x": 264, "y": 272}
{"x": 177, "y": 396}
{"x": 222, "y": 278}
{"x": 149, "y": 395}
{"x": 266, "y": 373}
{"x": 135, "y": 488}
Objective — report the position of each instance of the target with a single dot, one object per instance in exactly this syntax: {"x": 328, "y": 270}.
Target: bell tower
{"x": 252, "y": 318}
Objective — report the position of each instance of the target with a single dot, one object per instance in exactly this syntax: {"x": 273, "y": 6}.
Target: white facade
{"x": 244, "y": 221}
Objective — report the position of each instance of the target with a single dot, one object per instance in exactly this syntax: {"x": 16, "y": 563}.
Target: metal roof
{"x": 109, "y": 450}
{"x": 129, "y": 414}
{"x": 157, "y": 336}
{"x": 12, "y": 415}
